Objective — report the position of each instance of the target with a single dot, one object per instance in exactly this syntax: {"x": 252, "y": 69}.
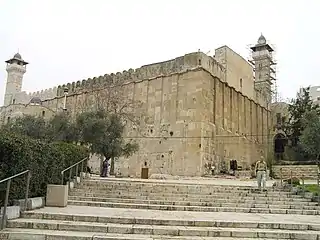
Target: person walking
{"x": 261, "y": 173}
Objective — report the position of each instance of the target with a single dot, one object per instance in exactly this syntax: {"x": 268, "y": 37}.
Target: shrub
{"x": 45, "y": 160}
{"x": 313, "y": 188}
{"x": 295, "y": 181}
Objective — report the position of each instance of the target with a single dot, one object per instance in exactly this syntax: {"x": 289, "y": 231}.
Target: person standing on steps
{"x": 261, "y": 173}
{"x": 105, "y": 167}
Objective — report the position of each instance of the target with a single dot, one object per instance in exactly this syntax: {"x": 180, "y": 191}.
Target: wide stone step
{"x": 35, "y": 234}
{"x": 198, "y": 193}
{"x": 183, "y": 197}
{"x": 169, "y": 183}
{"x": 151, "y": 217}
{"x": 162, "y": 230}
{"x": 216, "y": 203}
{"x": 171, "y": 187}
{"x": 258, "y": 209}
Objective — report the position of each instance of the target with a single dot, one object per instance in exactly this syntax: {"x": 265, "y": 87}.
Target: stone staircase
{"x": 202, "y": 198}
{"x": 127, "y": 209}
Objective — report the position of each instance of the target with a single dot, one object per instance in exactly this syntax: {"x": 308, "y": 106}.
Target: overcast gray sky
{"x": 70, "y": 40}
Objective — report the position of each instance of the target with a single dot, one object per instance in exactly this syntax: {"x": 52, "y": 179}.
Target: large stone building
{"x": 314, "y": 92}
{"x": 197, "y": 109}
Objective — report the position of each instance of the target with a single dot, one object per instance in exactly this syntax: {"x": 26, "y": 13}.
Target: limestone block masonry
{"x": 192, "y": 112}
{"x": 153, "y": 209}
{"x": 298, "y": 171}
{"x": 190, "y": 116}
{"x": 57, "y": 195}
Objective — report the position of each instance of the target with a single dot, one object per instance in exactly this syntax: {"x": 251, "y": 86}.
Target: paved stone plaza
{"x": 207, "y": 209}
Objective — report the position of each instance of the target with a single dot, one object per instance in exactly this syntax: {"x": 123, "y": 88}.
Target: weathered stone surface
{"x": 192, "y": 112}
{"x": 298, "y": 171}
{"x": 12, "y": 212}
{"x": 163, "y": 209}
{"x": 57, "y": 195}
{"x": 32, "y": 203}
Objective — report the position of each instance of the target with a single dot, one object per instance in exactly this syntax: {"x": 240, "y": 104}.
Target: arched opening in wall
{"x": 13, "y": 101}
{"x": 279, "y": 146}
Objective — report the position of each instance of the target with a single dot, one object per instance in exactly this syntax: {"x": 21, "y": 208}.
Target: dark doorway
{"x": 279, "y": 146}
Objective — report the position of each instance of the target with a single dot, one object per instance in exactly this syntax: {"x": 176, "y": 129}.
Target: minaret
{"x": 264, "y": 73}
{"x": 16, "y": 68}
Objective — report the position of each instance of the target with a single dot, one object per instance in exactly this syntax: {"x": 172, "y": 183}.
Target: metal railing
{"x": 76, "y": 172}
{"x": 6, "y": 200}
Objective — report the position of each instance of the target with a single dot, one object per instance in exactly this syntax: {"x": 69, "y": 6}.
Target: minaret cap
{"x": 17, "y": 58}
{"x": 262, "y": 39}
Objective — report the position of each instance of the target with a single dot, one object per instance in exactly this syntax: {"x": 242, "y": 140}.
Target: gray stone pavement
{"x": 178, "y": 215}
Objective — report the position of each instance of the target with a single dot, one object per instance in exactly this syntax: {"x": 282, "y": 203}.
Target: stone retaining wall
{"x": 299, "y": 171}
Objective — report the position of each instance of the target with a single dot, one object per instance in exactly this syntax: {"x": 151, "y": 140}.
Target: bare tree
{"x": 113, "y": 98}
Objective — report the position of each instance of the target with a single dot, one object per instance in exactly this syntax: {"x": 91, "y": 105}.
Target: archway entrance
{"x": 279, "y": 146}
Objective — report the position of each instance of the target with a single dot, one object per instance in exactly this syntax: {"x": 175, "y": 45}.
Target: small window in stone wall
{"x": 13, "y": 101}
{"x": 241, "y": 82}
{"x": 43, "y": 113}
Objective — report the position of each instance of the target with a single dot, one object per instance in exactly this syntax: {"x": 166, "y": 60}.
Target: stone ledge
{"x": 158, "y": 230}
{"x": 35, "y": 234}
{"x": 306, "y": 203}
{"x": 260, "y": 208}
{"x": 13, "y": 212}
{"x": 32, "y": 203}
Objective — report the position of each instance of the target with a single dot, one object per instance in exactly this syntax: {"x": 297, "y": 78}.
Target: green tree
{"x": 60, "y": 128}
{"x": 310, "y": 137}
{"x": 295, "y": 125}
{"x": 27, "y": 125}
{"x": 103, "y": 133}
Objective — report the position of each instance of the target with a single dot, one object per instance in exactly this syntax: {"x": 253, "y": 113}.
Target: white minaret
{"x": 264, "y": 72}
{"x": 16, "y": 68}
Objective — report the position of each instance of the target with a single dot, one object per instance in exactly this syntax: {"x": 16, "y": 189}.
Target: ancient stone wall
{"x": 240, "y": 126}
{"x": 297, "y": 171}
{"x": 17, "y": 110}
{"x": 239, "y": 72}
{"x": 190, "y": 116}
{"x": 24, "y": 97}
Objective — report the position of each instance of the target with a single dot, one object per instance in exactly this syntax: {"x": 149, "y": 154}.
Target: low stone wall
{"x": 298, "y": 171}
{"x": 14, "y": 212}
{"x": 32, "y": 203}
